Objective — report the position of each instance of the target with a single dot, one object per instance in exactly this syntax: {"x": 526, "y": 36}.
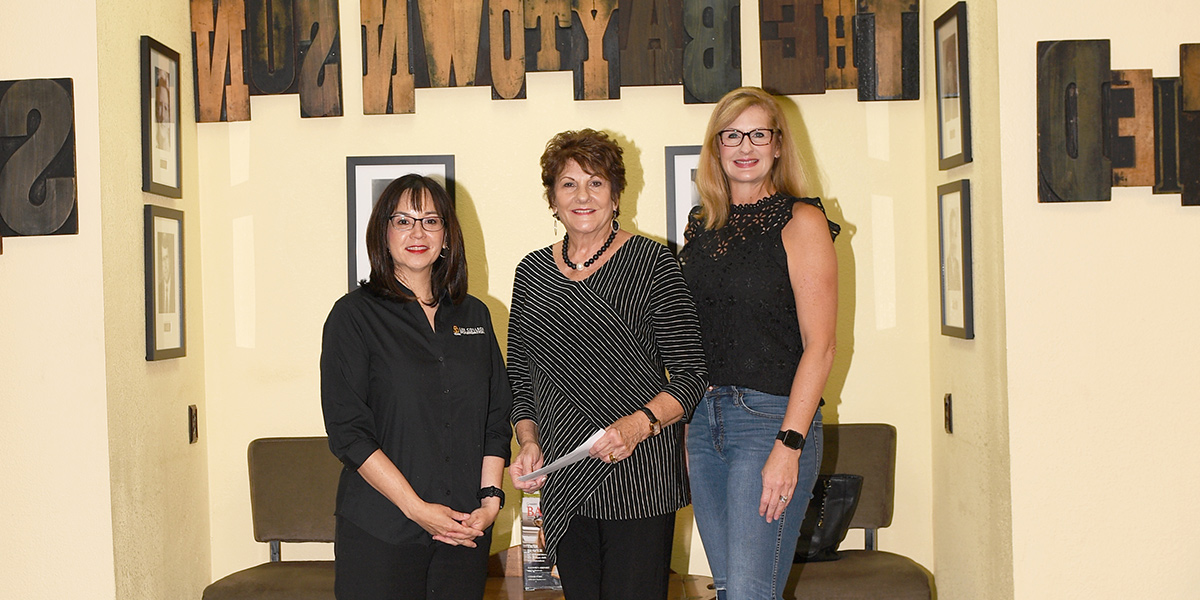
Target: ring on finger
{"x": 611, "y": 458}
{"x": 783, "y": 499}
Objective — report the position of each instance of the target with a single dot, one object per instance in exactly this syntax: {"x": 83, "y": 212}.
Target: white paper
{"x": 572, "y": 457}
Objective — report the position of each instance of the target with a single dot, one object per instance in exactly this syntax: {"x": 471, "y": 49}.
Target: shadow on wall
{"x": 847, "y": 275}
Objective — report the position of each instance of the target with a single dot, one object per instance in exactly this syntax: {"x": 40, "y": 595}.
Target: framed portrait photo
{"x": 366, "y": 178}
{"x": 161, "y": 150}
{"x": 165, "y": 336}
{"x": 953, "y": 87}
{"x": 682, "y": 194}
{"x": 954, "y": 243}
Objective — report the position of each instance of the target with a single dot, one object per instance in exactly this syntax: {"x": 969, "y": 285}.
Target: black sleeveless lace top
{"x": 738, "y": 276}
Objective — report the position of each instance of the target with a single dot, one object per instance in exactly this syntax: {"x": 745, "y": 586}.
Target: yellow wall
{"x": 971, "y": 496}
{"x": 159, "y": 480}
{"x": 1102, "y": 339}
{"x": 58, "y": 533}
{"x": 272, "y": 204}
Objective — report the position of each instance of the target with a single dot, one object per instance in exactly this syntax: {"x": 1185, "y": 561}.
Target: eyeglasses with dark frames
{"x": 731, "y": 138}
{"x": 406, "y": 222}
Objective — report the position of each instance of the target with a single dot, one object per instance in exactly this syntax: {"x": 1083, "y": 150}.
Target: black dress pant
{"x": 616, "y": 559}
{"x": 368, "y": 568}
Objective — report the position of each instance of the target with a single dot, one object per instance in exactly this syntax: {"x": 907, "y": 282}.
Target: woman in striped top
{"x": 598, "y": 322}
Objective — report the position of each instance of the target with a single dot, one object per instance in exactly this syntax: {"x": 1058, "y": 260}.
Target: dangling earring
{"x": 616, "y": 225}
{"x": 555, "y": 215}
{"x": 442, "y": 254}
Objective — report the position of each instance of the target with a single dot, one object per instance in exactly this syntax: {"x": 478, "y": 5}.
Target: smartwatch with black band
{"x": 791, "y": 438}
{"x": 490, "y": 491}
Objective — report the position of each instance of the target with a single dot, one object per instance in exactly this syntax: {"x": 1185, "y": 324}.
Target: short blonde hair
{"x": 786, "y": 174}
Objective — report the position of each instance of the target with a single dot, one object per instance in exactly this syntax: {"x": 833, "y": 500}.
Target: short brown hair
{"x": 594, "y": 151}
{"x": 449, "y": 272}
{"x": 711, "y": 181}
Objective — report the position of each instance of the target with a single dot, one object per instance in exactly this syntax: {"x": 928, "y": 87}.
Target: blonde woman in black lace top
{"x": 760, "y": 263}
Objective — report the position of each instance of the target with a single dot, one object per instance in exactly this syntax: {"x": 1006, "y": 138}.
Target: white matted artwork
{"x": 163, "y": 247}
{"x": 366, "y": 178}
{"x": 682, "y": 194}
{"x": 161, "y": 148}
{"x": 954, "y": 243}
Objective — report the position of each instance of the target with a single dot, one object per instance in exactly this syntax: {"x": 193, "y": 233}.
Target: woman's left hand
{"x": 483, "y": 517}
{"x": 779, "y": 476}
{"x": 620, "y": 438}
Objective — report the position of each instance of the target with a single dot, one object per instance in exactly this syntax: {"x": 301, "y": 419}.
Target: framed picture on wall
{"x": 682, "y": 194}
{"x": 366, "y": 178}
{"x": 954, "y": 244}
{"x": 164, "y": 283}
{"x": 161, "y": 150}
{"x": 953, "y": 87}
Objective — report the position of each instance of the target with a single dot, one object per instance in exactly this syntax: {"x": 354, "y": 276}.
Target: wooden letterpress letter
{"x": 1072, "y": 165}
{"x": 320, "y": 57}
{"x": 840, "y": 73}
{"x": 217, "y": 27}
{"x": 651, "y": 35}
{"x": 1131, "y": 103}
{"x": 1166, "y": 135}
{"x": 543, "y": 18}
{"x": 1189, "y": 75}
{"x": 1189, "y": 124}
{"x": 1189, "y": 157}
{"x": 387, "y": 83}
{"x": 792, "y": 59}
{"x": 272, "y": 50}
{"x": 712, "y": 54}
{"x": 888, "y": 53}
{"x": 451, "y": 31}
{"x": 37, "y": 177}
{"x": 592, "y": 77}
{"x": 506, "y": 25}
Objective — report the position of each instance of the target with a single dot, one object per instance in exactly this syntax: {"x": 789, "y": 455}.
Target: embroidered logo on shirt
{"x": 468, "y": 330}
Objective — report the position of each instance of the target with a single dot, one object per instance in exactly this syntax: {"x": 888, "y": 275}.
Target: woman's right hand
{"x": 528, "y": 460}
{"x": 445, "y": 524}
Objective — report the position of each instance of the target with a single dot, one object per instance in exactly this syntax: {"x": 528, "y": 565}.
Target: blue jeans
{"x": 729, "y": 439}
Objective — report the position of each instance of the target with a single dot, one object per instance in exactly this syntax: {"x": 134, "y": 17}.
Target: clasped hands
{"x": 456, "y": 528}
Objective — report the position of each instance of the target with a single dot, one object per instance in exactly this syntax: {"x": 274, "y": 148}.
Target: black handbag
{"x": 828, "y": 517}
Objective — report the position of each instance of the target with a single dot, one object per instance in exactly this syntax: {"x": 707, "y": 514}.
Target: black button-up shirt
{"x": 436, "y": 403}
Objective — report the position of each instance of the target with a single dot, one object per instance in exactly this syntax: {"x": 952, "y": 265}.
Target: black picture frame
{"x": 954, "y": 251}
{"x": 162, "y": 153}
{"x": 366, "y": 178}
{"x": 682, "y": 194}
{"x": 953, "y": 87}
{"x": 166, "y": 335}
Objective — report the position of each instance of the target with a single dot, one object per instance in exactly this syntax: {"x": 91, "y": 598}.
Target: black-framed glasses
{"x": 405, "y": 222}
{"x": 733, "y": 137}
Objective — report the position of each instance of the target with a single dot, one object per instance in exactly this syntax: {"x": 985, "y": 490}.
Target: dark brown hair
{"x": 449, "y": 276}
{"x": 592, "y": 150}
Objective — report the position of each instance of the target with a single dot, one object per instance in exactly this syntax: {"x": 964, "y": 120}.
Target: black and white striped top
{"x": 583, "y": 354}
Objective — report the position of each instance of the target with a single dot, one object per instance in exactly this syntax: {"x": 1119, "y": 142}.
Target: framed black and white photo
{"x": 954, "y": 244}
{"x": 682, "y": 194}
{"x": 953, "y": 87}
{"x": 366, "y": 178}
{"x": 164, "y": 283}
{"x": 161, "y": 150}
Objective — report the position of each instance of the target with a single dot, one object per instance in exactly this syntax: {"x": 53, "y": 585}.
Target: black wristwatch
{"x": 489, "y": 492}
{"x": 655, "y": 426}
{"x": 791, "y": 438}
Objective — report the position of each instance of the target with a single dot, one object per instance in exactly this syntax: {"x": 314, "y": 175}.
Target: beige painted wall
{"x": 971, "y": 496}
{"x": 1102, "y": 339}
{"x": 159, "y": 481}
{"x": 55, "y": 502}
{"x": 272, "y": 204}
